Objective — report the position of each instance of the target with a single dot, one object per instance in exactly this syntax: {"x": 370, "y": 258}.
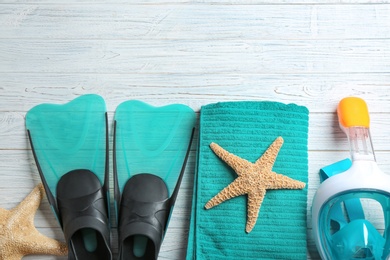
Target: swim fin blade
{"x": 151, "y": 147}
{"x": 70, "y": 147}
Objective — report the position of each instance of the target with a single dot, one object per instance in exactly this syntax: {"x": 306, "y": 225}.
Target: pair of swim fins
{"x": 70, "y": 144}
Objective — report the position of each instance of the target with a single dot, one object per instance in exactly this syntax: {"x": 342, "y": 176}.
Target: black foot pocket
{"x": 143, "y": 217}
{"x": 83, "y": 211}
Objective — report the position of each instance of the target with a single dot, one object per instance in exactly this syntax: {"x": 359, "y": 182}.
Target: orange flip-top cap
{"x": 353, "y": 111}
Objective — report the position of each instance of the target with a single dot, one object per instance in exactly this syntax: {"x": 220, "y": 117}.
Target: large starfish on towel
{"x": 253, "y": 179}
{"x": 18, "y": 235}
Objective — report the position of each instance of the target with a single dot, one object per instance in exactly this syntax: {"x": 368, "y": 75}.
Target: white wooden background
{"x": 195, "y": 52}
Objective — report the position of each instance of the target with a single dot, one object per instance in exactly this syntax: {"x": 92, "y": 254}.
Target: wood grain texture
{"x": 194, "y": 22}
{"x": 319, "y": 92}
{"x": 207, "y": 2}
{"x": 195, "y": 52}
{"x": 194, "y": 57}
{"x": 324, "y": 132}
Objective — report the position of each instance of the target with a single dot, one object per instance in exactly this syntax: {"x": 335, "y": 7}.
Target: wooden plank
{"x": 195, "y": 22}
{"x": 195, "y": 57}
{"x": 324, "y": 134}
{"x": 319, "y": 92}
{"x": 207, "y": 2}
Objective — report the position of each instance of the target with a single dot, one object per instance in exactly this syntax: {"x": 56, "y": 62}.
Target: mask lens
{"x": 353, "y": 226}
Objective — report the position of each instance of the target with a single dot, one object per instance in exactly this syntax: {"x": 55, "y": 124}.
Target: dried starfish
{"x": 18, "y": 235}
{"x": 253, "y": 179}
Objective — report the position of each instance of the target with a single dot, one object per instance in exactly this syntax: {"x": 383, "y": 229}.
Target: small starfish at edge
{"x": 18, "y": 235}
{"x": 253, "y": 179}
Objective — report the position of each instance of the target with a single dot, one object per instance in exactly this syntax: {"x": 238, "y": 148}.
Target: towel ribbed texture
{"x": 247, "y": 129}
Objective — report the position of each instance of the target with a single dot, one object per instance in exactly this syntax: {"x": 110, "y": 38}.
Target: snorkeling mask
{"x": 347, "y": 223}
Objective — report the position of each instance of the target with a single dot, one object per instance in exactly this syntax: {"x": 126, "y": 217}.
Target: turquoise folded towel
{"x": 247, "y": 129}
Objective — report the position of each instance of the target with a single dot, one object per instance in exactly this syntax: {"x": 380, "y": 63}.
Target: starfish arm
{"x": 238, "y": 164}
{"x": 27, "y": 208}
{"x": 3, "y": 212}
{"x": 234, "y": 189}
{"x": 40, "y": 244}
{"x": 255, "y": 199}
{"x": 280, "y": 181}
{"x": 18, "y": 235}
{"x": 267, "y": 160}
{"x": 11, "y": 256}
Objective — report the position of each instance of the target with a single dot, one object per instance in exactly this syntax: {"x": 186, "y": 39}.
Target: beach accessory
{"x": 253, "y": 179}
{"x": 341, "y": 226}
{"x": 151, "y": 147}
{"x": 70, "y": 147}
{"x": 247, "y": 129}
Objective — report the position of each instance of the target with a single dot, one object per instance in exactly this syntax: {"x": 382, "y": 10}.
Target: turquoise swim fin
{"x": 70, "y": 147}
{"x": 151, "y": 147}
